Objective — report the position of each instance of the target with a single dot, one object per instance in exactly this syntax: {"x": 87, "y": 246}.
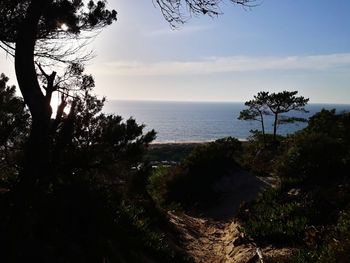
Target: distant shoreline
{"x": 217, "y": 102}
{"x": 187, "y": 142}
{"x": 180, "y": 142}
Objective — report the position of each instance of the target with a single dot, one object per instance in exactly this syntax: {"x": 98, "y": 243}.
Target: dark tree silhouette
{"x": 29, "y": 29}
{"x": 179, "y": 11}
{"x": 104, "y": 142}
{"x": 257, "y": 108}
{"x": 35, "y": 32}
{"x": 265, "y": 103}
{"x": 283, "y": 102}
{"x": 14, "y": 128}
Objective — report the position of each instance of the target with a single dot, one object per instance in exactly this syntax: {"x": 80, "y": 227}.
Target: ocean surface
{"x": 201, "y": 121}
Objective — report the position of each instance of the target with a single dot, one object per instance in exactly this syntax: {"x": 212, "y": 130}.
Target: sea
{"x": 177, "y": 122}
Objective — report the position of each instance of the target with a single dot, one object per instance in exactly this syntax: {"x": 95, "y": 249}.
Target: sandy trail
{"x": 214, "y": 236}
{"x": 209, "y": 241}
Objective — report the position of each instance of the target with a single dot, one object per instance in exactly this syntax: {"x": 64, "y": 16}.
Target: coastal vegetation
{"x": 311, "y": 203}
{"x": 275, "y": 104}
{"x": 118, "y": 203}
{"x": 189, "y": 184}
{"x": 79, "y": 185}
{"x": 95, "y": 206}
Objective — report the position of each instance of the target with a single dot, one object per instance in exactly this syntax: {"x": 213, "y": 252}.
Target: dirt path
{"x": 208, "y": 241}
{"x": 214, "y": 236}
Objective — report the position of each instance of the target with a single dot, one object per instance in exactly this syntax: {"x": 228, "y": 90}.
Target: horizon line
{"x": 211, "y": 101}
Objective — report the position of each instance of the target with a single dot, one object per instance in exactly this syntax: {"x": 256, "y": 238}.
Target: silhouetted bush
{"x": 260, "y": 154}
{"x": 169, "y": 152}
{"x": 14, "y": 127}
{"x": 191, "y": 183}
{"x": 93, "y": 206}
{"x": 332, "y": 124}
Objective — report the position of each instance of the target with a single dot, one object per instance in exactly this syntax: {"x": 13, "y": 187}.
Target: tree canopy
{"x": 276, "y": 104}
{"x": 257, "y": 108}
{"x": 283, "y": 102}
{"x": 14, "y": 128}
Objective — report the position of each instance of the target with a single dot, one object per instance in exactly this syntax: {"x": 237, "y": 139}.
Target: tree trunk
{"x": 37, "y": 152}
{"x": 275, "y": 127}
{"x": 263, "y": 127}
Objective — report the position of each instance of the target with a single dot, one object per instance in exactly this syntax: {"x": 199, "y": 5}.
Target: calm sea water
{"x": 200, "y": 121}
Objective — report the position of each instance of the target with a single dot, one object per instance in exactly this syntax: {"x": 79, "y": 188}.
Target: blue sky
{"x": 279, "y": 45}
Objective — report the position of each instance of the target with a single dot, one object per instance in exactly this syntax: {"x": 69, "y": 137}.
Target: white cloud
{"x": 223, "y": 65}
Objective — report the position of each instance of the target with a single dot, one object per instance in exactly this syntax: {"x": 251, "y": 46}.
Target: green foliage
{"x": 275, "y": 219}
{"x": 312, "y": 158}
{"x": 158, "y": 186}
{"x": 96, "y": 207}
{"x": 331, "y": 124}
{"x": 14, "y": 127}
{"x": 320, "y": 153}
{"x": 146, "y": 233}
{"x": 302, "y": 217}
{"x": 169, "y": 152}
{"x": 260, "y": 153}
{"x": 333, "y": 247}
{"x": 191, "y": 183}
{"x": 104, "y": 144}
{"x": 311, "y": 210}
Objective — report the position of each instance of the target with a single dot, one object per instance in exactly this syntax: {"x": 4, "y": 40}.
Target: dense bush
{"x": 260, "y": 154}
{"x": 332, "y": 124}
{"x": 312, "y": 158}
{"x": 318, "y": 154}
{"x": 329, "y": 246}
{"x": 14, "y": 127}
{"x": 95, "y": 207}
{"x": 311, "y": 209}
{"x": 79, "y": 221}
{"x": 191, "y": 183}
{"x": 275, "y": 218}
{"x": 158, "y": 153}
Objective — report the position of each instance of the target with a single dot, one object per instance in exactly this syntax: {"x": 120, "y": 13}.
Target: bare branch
{"x": 178, "y": 12}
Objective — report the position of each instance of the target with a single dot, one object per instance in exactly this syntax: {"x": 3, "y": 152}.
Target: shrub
{"x": 334, "y": 247}
{"x": 312, "y": 158}
{"x": 273, "y": 219}
{"x": 191, "y": 182}
{"x": 93, "y": 206}
{"x": 259, "y": 155}
{"x": 158, "y": 185}
{"x": 330, "y": 123}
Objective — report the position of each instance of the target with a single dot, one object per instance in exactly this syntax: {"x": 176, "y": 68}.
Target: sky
{"x": 275, "y": 46}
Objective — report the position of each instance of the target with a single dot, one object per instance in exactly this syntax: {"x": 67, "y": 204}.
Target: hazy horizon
{"x": 209, "y": 101}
